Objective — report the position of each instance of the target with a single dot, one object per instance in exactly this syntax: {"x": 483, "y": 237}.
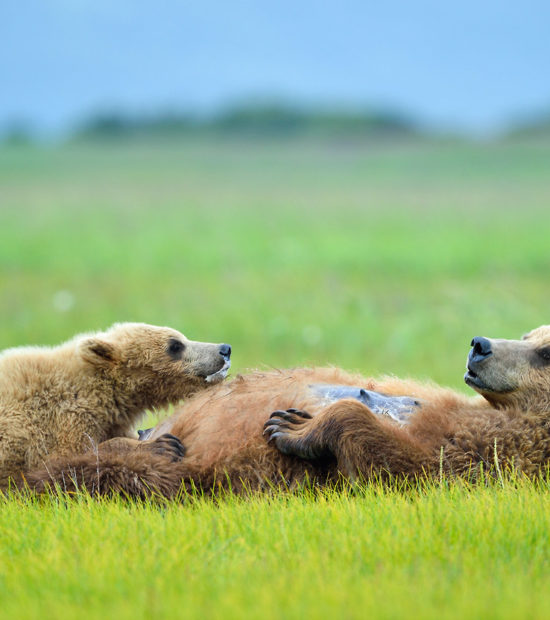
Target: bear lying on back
{"x": 64, "y": 400}
{"x": 388, "y": 427}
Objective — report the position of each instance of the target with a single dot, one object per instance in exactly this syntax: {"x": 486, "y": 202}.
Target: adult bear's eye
{"x": 175, "y": 348}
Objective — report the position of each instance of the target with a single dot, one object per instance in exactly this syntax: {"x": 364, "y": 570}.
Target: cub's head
{"x": 512, "y": 373}
{"x": 158, "y": 364}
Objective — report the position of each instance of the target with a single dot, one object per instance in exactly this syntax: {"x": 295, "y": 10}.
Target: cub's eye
{"x": 175, "y": 348}
{"x": 544, "y": 353}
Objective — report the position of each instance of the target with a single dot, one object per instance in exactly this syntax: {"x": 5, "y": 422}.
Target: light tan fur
{"x": 66, "y": 399}
{"x": 232, "y": 440}
{"x": 222, "y": 430}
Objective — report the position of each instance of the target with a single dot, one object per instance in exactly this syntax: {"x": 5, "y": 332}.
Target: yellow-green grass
{"x": 382, "y": 259}
{"x": 432, "y": 552}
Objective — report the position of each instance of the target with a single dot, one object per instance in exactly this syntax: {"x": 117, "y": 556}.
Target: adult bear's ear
{"x": 97, "y": 351}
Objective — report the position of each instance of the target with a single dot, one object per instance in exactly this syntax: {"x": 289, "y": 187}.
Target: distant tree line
{"x": 251, "y": 121}
{"x": 262, "y": 120}
{"x": 534, "y": 126}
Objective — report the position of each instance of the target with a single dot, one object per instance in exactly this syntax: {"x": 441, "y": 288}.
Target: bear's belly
{"x": 318, "y": 396}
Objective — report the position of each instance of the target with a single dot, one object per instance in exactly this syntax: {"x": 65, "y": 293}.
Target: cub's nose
{"x": 481, "y": 348}
{"x": 225, "y": 351}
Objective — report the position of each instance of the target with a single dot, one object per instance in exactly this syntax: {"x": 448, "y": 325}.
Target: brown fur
{"x": 66, "y": 399}
{"x": 222, "y": 430}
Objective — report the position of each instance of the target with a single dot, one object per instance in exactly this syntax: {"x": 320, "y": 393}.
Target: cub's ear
{"x": 97, "y": 351}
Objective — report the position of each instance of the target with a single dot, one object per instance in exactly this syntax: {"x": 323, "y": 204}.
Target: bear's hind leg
{"x": 120, "y": 466}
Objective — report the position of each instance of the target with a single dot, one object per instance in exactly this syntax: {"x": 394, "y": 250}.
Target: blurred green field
{"x": 382, "y": 259}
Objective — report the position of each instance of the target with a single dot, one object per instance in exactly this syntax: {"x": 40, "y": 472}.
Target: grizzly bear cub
{"x": 322, "y": 423}
{"x": 64, "y": 400}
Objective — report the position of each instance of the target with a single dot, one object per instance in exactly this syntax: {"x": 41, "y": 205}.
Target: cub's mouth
{"x": 220, "y": 374}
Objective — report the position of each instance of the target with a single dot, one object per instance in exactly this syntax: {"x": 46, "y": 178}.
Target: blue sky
{"x": 470, "y": 65}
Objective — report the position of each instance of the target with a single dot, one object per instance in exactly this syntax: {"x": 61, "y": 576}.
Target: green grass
{"x": 383, "y": 259}
{"x": 435, "y": 552}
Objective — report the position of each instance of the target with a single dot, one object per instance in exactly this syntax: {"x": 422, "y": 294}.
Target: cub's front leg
{"x": 348, "y": 430}
{"x": 166, "y": 445}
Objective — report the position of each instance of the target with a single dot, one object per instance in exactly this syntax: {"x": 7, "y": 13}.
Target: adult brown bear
{"x": 61, "y": 400}
{"x": 409, "y": 429}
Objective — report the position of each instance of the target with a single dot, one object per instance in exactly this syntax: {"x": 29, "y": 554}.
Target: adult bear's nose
{"x": 225, "y": 351}
{"x": 481, "y": 348}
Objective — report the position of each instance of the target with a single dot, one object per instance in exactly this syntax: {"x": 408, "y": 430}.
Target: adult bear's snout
{"x": 481, "y": 349}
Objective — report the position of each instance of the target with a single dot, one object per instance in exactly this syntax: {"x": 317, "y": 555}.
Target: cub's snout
{"x": 225, "y": 351}
{"x": 221, "y": 373}
{"x": 212, "y": 361}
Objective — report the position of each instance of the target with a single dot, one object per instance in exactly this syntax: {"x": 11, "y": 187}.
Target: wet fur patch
{"x": 399, "y": 408}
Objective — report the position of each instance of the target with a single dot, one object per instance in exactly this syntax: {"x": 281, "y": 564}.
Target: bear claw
{"x": 169, "y": 446}
{"x": 291, "y": 414}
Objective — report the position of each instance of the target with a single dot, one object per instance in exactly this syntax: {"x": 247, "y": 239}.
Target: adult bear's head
{"x": 512, "y": 373}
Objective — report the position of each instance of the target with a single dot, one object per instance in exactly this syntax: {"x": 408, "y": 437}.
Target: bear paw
{"x": 290, "y": 432}
{"x": 169, "y": 446}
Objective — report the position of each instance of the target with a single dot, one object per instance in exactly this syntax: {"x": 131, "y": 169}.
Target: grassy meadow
{"x": 379, "y": 258}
